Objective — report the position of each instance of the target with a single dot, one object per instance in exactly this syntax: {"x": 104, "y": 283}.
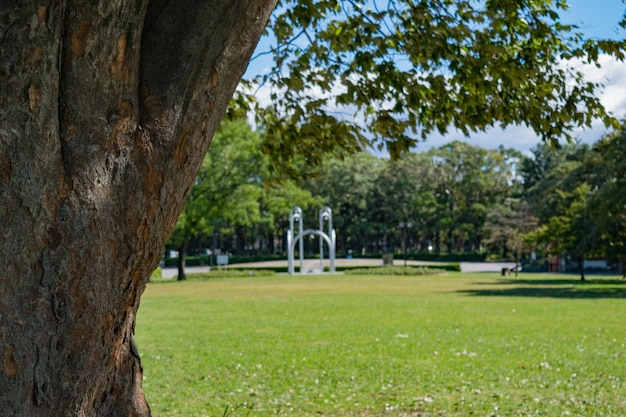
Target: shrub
{"x": 157, "y": 274}
{"x": 394, "y": 270}
{"x": 231, "y": 273}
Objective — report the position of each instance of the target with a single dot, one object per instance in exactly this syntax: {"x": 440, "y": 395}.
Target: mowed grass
{"x": 448, "y": 345}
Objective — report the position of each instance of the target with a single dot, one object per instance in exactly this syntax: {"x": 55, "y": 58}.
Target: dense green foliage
{"x": 218, "y": 273}
{"x": 423, "y": 203}
{"x": 565, "y": 202}
{"x": 433, "y": 201}
{"x": 580, "y": 201}
{"x": 225, "y": 190}
{"x": 234, "y": 193}
{"x": 352, "y": 73}
{"x": 456, "y": 345}
{"x": 394, "y": 270}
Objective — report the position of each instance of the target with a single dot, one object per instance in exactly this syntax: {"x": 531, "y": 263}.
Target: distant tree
{"x": 471, "y": 180}
{"x": 402, "y": 200}
{"x": 605, "y": 170}
{"x": 573, "y": 232}
{"x": 276, "y": 201}
{"x": 507, "y": 225}
{"x": 344, "y": 185}
{"x": 550, "y": 178}
{"x": 544, "y": 158}
{"x": 227, "y": 187}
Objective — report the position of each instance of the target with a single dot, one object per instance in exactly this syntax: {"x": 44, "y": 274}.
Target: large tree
{"x": 107, "y": 109}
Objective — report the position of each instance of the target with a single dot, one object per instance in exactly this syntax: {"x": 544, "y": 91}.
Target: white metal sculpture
{"x": 325, "y": 216}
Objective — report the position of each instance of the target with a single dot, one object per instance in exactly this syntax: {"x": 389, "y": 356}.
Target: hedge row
{"x": 284, "y": 269}
{"x": 432, "y": 257}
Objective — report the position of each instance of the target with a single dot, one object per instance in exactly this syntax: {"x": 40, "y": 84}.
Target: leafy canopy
{"x": 351, "y": 73}
{"x": 227, "y": 188}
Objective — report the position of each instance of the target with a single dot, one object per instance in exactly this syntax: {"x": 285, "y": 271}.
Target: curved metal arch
{"x": 295, "y": 218}
{"x": 311, "y": 232}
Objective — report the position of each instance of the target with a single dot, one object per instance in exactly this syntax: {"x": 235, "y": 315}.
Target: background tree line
{"x": 456, "y": 199}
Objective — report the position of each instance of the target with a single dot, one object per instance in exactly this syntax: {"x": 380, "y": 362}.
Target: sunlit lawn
{"x": 453, "y": 345}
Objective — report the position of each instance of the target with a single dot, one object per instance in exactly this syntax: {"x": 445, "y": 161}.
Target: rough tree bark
{"x": 106, "y": 110}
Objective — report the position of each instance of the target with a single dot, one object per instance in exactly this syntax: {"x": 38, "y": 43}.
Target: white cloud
{"x": 612, "y": 74}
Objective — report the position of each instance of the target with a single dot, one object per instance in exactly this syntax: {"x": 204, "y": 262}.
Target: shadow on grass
{"x": 552, "y": 288}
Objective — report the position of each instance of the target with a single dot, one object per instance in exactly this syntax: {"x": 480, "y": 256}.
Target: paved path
{"x": 312, "y": 264}
{"x": 486, "y": 266}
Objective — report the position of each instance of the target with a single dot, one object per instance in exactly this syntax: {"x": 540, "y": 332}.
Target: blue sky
{"x": 595, "y": 19}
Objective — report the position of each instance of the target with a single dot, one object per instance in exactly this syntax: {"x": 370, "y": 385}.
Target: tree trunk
{"x": 239, "y": 241}
{"x": 581, "y": 268}
{"x": 271, "y": 248}
{"x": 106, "y": 111}
{"x": 180, "y": 263}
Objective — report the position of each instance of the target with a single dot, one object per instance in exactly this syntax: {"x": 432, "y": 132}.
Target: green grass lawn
{"x": 451, "y": 345}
